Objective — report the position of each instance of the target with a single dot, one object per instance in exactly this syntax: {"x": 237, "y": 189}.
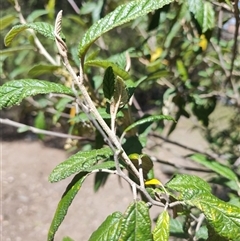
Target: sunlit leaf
{"x": 43, "y": 28}
{"x": 149, "y": 119}
{"x": 64, "y": 204}
{"x": 13, "y": 92}
{"x": 105, "y": 64}
{"x": 203, "y": 13}
{"x": 82, "y": 161}
{"x": 110, "y": 229}
{"x": 214, "y": 166}
{"x": 153, "y": 181}
{"x": 188, "y": 185}
{"x": 136, "y": 224}
{"x": 161, "y": 231}
{"x": 122, "y": 14}
{"x": 222, "y": 216}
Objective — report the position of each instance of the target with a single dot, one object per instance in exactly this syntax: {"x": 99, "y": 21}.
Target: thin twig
{"x": 74, "y": 6}
{"x": 212, "y": 156}
{"x": 40, "y": 131}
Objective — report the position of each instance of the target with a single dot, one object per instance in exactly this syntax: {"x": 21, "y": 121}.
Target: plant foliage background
{"x": 143, "y": 66}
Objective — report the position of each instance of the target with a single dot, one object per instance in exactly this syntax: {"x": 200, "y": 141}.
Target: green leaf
{"x": 120, "y": 92}
{"x": 103, "y": 165}
{"x": 196, "y": 7}
{"x": 208, "y": 17}
{"x": 40, "y": 123}
{"x": 176, "y": 228}
{"x": 43, "y": 28}
{"x": 148, "y": 119}
{"x": 188, "y": 185}
{"x": 203, "y": 12}
{"x": 102, "y": 111}
{"x": 8, "y": 51}
{"x": 122, "y": 14}
{"x": 214, "y": 166}
{"x": 42, "y": 69}
{"x": 108, "y": 83}
{"x": 161, "y": 231}
{"x": 64, "y": 203}
{"x": 13, "y": 92}
{"x": 67, "y": 239}
{"x": 109, "y": 230}
{"x": 82, "y": 161}
{"x": 223, "y": 217}
{"x": 136, "y": 224}
{"x": 6, "y": 21}
{"x": 35, "y": 14}
{"x": 105, "y": 64}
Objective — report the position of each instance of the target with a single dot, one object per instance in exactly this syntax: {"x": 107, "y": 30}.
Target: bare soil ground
{"x": 29, "y": 200}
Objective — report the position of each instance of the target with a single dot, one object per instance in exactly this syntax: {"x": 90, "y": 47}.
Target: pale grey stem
{"x": 40, "y": 131}
{"x": 74, "y": 6}
{"x": 140, "y": 172}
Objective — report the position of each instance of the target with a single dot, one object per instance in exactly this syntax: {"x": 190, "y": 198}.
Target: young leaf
{"x": 108, "y": 83}
{"x": 149, "y": 119}
{"x": 64, "y": 203}
{"x": 214, "y": 166}
{"x": 13, "y": 92}
{"x": 41, "y": 69}
{"x": 196, "y": 8}
{"x": 17, "y": 49}
{"x": 6, "y": 21}
{"x": 120, "y": 92}
{"x": 82, "y": 161}
{"x": 105, "y": 64}
{"x": 161, "y": 231}
{"x": 153, "y": 181}
{"x": 136, "y": 224}
{"x": 109, "y": 230}
{"x": 35, "y": 14}
{"x": 43, "y": 28}
{"x": 122, "y": 14}
{"x": 147, "y": 163}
